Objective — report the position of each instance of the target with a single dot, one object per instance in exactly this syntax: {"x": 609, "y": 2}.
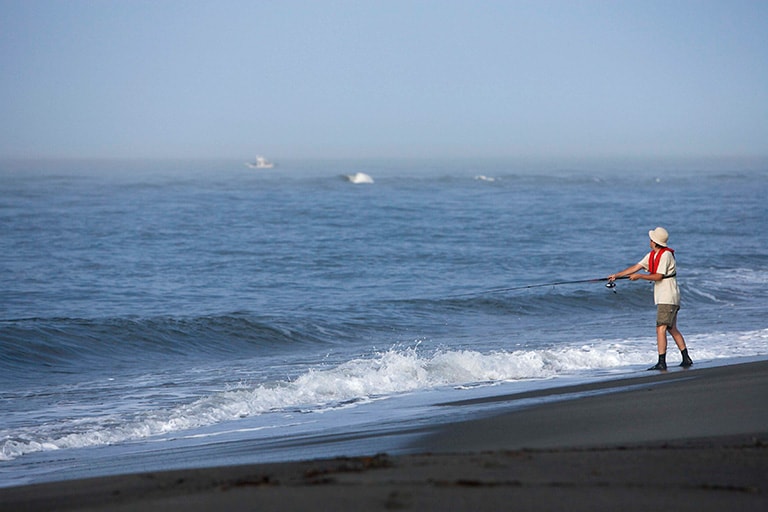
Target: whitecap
{"x": 359, "y": 178}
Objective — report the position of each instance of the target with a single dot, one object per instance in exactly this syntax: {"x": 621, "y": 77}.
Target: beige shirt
{"x": 666, "y": 290}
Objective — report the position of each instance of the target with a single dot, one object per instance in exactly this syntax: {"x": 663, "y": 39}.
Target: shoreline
{"x": 694, "y": 439}
{"x": 661, "y": 407}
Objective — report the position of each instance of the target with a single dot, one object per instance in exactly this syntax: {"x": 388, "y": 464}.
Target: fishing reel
{"x": 610, "y": 284}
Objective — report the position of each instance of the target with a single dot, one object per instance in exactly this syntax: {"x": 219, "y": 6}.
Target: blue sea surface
{"x": 160, "y": 315}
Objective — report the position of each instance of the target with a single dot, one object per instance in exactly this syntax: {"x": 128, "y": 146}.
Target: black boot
{"x": 662, "y": 364}
{"x": 686, "y": 359}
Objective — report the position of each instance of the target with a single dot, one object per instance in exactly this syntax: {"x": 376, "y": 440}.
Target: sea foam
{"x": 359, "y": 380}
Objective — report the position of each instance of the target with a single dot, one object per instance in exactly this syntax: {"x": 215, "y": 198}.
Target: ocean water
{"x": 158, "y": 315}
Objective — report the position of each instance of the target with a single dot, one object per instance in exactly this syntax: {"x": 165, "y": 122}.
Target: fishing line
{"x": 610, "y": 284}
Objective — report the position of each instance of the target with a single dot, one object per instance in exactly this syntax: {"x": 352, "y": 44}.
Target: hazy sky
{"x": 236, "y": 78}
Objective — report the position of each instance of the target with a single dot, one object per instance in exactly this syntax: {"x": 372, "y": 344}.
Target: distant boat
{"x": 260, "y": 163}
{"x": 359, "y": 177}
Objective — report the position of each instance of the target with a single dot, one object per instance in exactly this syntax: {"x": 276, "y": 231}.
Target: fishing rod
{"x": 609, "y": 284}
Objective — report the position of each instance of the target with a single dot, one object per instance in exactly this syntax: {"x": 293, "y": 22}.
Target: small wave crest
{"x": 739, "y": 285}
{"x": 358, "y": 380}
{"x": 359, "y": 178}
{"x": 65, "y": 344}
{"x": 386, "y": 373}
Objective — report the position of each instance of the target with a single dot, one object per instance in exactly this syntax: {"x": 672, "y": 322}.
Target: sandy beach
{"x": 682, "y": 440}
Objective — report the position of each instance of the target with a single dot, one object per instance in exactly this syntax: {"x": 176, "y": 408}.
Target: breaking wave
{"x": 357, "y": 381}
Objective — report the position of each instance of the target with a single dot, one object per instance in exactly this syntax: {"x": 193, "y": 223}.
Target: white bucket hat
{"x": 660, "y": 236}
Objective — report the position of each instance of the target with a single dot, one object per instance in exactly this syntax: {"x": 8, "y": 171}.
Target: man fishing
{"x": 661, "y": 268}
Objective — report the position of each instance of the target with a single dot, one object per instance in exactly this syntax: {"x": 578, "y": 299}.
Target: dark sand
{"x": 682, "y": 440}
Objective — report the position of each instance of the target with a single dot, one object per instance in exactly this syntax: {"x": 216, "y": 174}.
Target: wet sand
{"x": 683, "y": 440}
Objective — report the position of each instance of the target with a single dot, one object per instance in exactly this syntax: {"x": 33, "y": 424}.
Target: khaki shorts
{"x": 666, "y": 314}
